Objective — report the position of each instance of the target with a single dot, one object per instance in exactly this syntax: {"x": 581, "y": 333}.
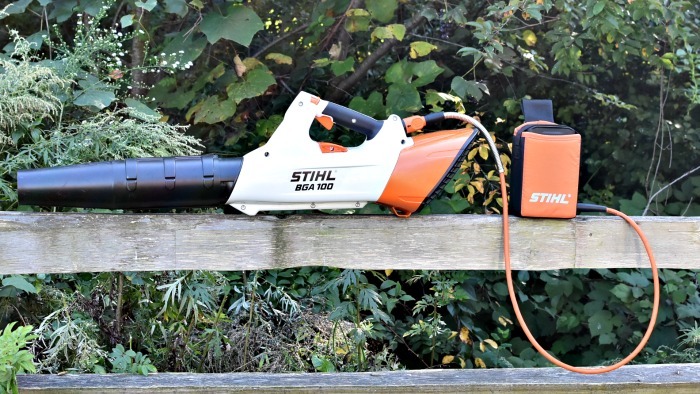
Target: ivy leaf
{"x": 19, "y": 283}
{"x": 17, "y": 7}
{"x": 322, "y": 364}
{"x": 403, "y": 99}
{"x": 397, "y": 31}
{"x": 254, "y": 84}
{"x": 212, "y": 110}
{"x": 184, "y": 48}
{"x": 97, "y": 98}
{"x": 279, "y": 58}
{"x": 126, "y": 20}
{"x": 147, "y": 5}
{"x": 465, "y": 89}
{"x": 426, "y": 72}
{"x": 373, "y": 106}
{"x": 178, "y": 7}
{"x": 600, "y": 323}
{"x": 622, "y": 291}
{"x": 421, "y": 48}
{"x": 342, "y": 67}
{"x": 382, "y": 10}
{"x": 239, "y": 25}
{"x": 141, "y": 107}
{"x": 357, "y": 20}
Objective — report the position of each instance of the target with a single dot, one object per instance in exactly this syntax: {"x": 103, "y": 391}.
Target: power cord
{"x": 506, "y": 252}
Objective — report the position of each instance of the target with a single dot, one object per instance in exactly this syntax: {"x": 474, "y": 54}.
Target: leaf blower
{"x": 394, "y": 167}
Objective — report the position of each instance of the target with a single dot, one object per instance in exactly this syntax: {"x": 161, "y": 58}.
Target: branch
{"x": 337, "y": 92}
{"x": 653, "y": 196}
{"x": 279, "y": 39}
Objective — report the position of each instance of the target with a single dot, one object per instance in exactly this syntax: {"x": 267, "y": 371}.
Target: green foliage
{"x": 128, "y": 361}
{"x": 14, "y": 359}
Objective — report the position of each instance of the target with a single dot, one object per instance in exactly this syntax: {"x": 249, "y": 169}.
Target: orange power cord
{"x": 418, "y": 122}
{"x": 521, "y": 320}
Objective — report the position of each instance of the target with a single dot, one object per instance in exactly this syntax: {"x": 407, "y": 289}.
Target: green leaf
{"x": 147, "y": 5}
{"x": 356, "y": 20}
{"x": 178, "y": 7}
{"x": 239, "y": 25}
{"x": 17, "y": 7}
{"x": 598, "y": 7}
{"x": 600, "y": 323}
{"x": 382, "y": 10}
{"x": 126, "y": 20}
{"x": 322, "y": 364}
{"x": 635, "y": 206}
{"x": 373, "y": 106}
{"x": 403, "y": 99}
{"x": 421, "y": 48}
{"x": 255, "y": 83}
{"x": 212, "y": 110}
{"x": 342, "y": 67}
{"x": 19, "y": 283}
{"x": 397, "y": 31}
{"x": 184, "y": 48}
{"x": 94, "y": 98}
{"x": 399, "y": 72}
{"x": 622, "y": 291}
{"x": 141, "y": 107}
{"x": 426, "y": 72}
{"x": 466, "y": 89}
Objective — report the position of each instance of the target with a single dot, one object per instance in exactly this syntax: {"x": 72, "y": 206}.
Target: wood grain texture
{"x": 675, "y": 378}
{"x": 63, "y": 243}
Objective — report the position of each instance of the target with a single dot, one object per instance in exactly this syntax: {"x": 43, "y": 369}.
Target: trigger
{"x": 325, "y": 121}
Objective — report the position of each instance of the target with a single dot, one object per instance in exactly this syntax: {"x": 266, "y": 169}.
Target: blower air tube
{"x": 170, "y": 182}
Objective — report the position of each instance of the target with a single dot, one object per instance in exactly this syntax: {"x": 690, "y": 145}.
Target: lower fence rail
{"x": 675, "y": 378}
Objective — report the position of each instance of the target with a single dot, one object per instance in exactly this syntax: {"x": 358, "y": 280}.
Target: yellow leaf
{"x": 479, "y": 362}
{"x": 279, "y": 58}
{"x": 470, "y": 196}
{"x": 452, "y": 334}
{"x": 341, "y": 351}
{"x": 335, "y": 50}
{"x": 504, "y": 320}
{"x": 472, "y": 153}
{"x": 478, "y": 185}
{"x": 477, "y": 167}
{"x": 462, "y": 363}
{"x": 388, "y": 272}
{"x": 484, "y": 151}
{"x": 530, "y": 38}
{"x": 492, "y": 343}
{"x": 420, "y": 48}
{"x": 464, "y": 335}
{"x": 448, "y": 359}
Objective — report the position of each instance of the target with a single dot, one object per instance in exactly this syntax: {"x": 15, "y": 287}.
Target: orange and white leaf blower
{"x": 290, "y": 172}
{"x": 393, "y": 167}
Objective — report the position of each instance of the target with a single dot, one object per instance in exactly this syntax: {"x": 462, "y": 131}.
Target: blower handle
{"x": 353, "y": 120}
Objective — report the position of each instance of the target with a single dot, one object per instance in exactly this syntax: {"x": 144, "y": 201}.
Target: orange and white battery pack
{"x": 545, "y": 165}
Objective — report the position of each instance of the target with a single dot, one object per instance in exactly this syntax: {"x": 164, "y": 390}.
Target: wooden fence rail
{"x": 69, "y": 243}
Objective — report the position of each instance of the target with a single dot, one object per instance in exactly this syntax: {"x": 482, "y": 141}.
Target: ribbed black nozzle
{"x": 170, "y": 182}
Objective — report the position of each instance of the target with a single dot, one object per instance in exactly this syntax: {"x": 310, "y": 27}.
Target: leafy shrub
{"x": 13, "y": 358}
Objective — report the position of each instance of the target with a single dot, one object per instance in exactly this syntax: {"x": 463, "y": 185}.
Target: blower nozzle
{"x": 169, "y": 182}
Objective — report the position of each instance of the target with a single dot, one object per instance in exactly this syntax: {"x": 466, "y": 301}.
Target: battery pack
{"x": 545, "y": 165}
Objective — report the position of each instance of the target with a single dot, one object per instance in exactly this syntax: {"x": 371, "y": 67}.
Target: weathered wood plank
{"x": 676, "y": 378}
{"x": 61, "y": 243}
